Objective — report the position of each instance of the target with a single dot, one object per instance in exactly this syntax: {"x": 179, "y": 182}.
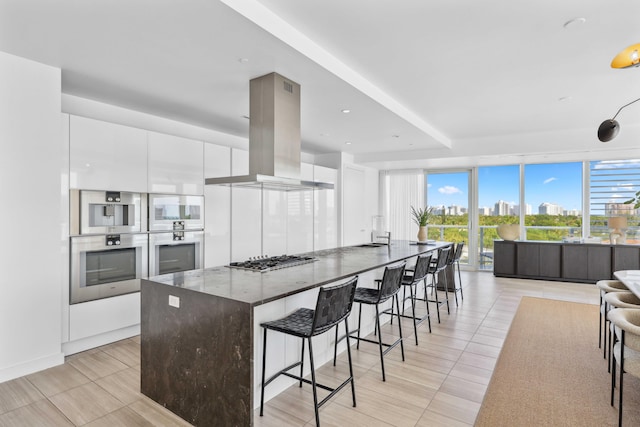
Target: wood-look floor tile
{"x": 57, "y": 379}
{"x": 274, "y": 417}
{"x": 85, "y": 403}
{"x": 17, "y": 393}
{"x": 488, "y": 340}
{"x": 433, "y": 419}
{"x": 398, "y": 387}
{"x": 454, "y": 407}
{"x": 123, "y": 385}
{"x": 477, "y": 360}
{"x": 336, "y": 415}
{"x": 463, "y": 388}
{"x": 126, "y": 351}
{"x": 97, "y": 365}
{"x": 296, "y": 401}
{"x": 483, "y": 349}
{"x": 123, "y": 417}
{"x": 156, "y": 414}
{"x": 471, "y": 373}
{"x": 40, "y": 413}
{"x": 394, "y": 410}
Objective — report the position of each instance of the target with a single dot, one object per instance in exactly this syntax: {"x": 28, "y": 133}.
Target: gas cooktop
{"x": 265, "y": 263}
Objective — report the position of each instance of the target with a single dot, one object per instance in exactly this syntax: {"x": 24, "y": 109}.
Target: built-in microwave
{"x": 175, "y": 251}
{"x": 107, "y": 212}
{"x": 107, "y": 265}
{"x": 169, "y": 212}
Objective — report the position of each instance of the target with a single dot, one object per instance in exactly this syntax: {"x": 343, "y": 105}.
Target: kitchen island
{"x": 200, "y": 330}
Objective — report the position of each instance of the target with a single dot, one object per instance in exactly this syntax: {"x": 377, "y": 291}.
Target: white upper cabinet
{"x": 176, "y": 165}
{"x": 106, "y": 156}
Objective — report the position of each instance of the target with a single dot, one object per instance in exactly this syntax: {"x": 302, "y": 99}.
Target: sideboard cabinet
{"x": 569, "y": 262}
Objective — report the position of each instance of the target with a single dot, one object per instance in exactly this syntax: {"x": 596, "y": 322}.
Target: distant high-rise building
{"x": 502, "y": 208}
{"x": 549, "y": 209}
{"x": 456, "y": 210}
{"x": 572, "y": 212}
{"x": 484, "y": 211}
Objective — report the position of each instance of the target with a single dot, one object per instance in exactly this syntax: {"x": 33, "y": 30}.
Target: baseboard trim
{"x": 31, "y": 366}
{"x": 88, "y": 343}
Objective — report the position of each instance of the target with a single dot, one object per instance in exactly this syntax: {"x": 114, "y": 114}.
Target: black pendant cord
{"x": 624, "y": 106}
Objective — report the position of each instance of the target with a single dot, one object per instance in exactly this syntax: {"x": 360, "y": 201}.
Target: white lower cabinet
{"x": 90, "y": 319}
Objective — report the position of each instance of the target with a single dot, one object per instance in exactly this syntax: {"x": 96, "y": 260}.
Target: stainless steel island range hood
{"x": 274, "y": 138}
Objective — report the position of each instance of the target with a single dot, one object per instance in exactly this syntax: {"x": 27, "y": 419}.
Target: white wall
{"x": 32, "y": 162}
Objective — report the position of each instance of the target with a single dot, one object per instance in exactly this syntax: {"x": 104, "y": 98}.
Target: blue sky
{"x": 554, "y": 183}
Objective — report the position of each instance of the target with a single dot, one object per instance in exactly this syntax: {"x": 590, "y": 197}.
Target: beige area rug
{"x": 551, "y": 372}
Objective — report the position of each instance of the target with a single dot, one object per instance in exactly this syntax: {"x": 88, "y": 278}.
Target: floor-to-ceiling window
{"x": 546, "y": 199}
{"x": 498, "y": 203}
{"x": 448, "y": 195}
{"x": 612, "y": 183}
{"x": 553, "y": 201}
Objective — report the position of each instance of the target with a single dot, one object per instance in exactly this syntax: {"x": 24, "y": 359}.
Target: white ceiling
{"x": 423, "y": 79}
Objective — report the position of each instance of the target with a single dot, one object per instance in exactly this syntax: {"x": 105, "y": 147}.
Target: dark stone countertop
{"x": 332, "y": 265}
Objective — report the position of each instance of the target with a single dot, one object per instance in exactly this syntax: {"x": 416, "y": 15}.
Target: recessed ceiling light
{"x": 348, "y": 143}
{"x": 564, "y": 98}
{"x": 574, "y": 23}
{"x": 243, "y": 60}
{"x": 346, "y": 111}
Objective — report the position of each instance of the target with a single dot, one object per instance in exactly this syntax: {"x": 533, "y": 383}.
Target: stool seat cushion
{"x": 298, "y": 323}
{"x": 366, "y": 296}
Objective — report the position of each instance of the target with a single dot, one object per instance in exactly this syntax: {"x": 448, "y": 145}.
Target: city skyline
{"x": 557, "y": 184}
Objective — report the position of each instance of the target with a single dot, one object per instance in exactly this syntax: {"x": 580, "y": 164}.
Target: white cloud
{"x": 548, "y": 180}
{"x": 449, "y": 189}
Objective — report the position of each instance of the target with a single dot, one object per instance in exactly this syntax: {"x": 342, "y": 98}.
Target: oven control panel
{"x": 112, "y": 240}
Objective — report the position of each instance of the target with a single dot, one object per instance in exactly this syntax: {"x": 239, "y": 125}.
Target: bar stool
{"x": 389, "y": 287}
{"x": 435, "y": 270}
{"x": 333, "y": 306}
{"x": 455, "y": 262}
{"x": 410, "y": 280}
{"x": 606, "y": 286}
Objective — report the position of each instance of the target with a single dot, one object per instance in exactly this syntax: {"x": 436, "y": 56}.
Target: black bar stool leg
{"x": 399, "y": 328}
{"x": 359, "y": 318}
{"x": 313, "y": 383}
{"x": 380, "y": 342}
{"x": 264, "y": 363}
{"x": 302, "y": 361}
{"x": 335, "y": 346}
{"x": 460, "y": 280}
{"x": 413, "y": 311}
{"x": 353, "y": 387}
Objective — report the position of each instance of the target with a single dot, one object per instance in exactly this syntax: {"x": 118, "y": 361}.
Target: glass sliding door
{"x": 448, "y": 194}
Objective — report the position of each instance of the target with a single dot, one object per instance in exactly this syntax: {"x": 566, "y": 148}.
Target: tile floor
{"x": 441, "y": 382}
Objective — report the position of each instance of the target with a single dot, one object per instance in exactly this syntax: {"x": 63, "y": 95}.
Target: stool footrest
{"x": 392, "y": 345}
{"x": 332, "y": 390}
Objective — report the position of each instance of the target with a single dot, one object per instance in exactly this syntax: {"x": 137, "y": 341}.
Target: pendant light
{"x": 610, "y": 127}
{"x": 630, "y": 57}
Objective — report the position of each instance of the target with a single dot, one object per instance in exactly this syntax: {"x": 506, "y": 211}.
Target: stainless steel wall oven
{"x": 179, "y": 250}
{"x": 107, "y": 265}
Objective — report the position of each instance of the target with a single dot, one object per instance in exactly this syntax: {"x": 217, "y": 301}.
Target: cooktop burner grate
{"x": 264, "y": 264}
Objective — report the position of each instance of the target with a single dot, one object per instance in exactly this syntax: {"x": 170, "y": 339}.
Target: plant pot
{"x": 422, "y": 234}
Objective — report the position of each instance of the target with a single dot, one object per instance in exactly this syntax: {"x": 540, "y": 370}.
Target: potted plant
{"x": 421, "y": 217}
